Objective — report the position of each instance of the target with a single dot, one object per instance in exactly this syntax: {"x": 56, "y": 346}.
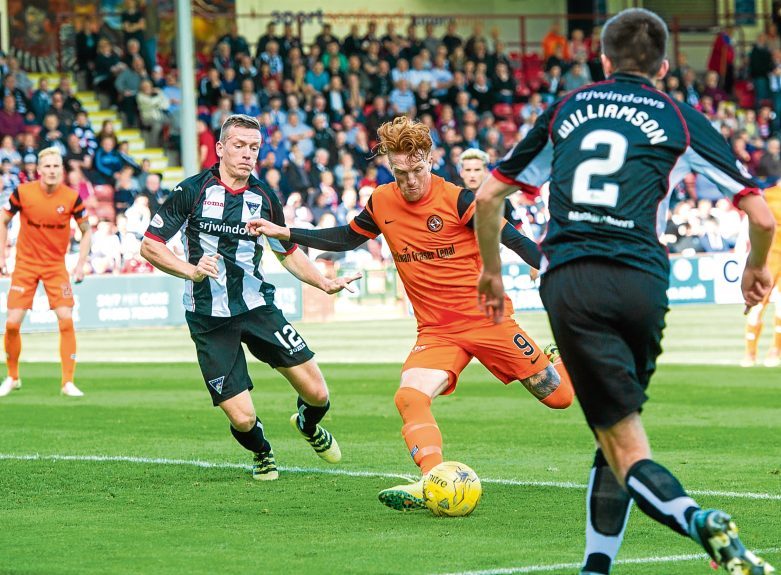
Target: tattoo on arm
{"x": 542, "y": 384}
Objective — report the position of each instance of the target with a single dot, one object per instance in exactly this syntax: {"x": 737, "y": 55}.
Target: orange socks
{"x": 777, "y": 334}
{"x": 562, "y": 396}
{"x": 420, "y": 430}
{"x": 67, "y": 349}
{"x": 13, "y": 348}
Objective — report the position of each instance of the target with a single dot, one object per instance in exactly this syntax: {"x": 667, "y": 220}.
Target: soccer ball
{"x": 451, "y": 489}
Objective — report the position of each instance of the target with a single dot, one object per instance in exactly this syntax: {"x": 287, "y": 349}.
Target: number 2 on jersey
{"x": 607, "y": 195}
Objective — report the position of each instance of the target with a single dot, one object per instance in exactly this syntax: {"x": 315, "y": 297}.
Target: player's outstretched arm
{"x": 85, "y": 245}
{"x": 158, "y": 254}
{"x": 337, "y": 239}
{"x": 488, "y": 225}
{"x": 5, "y": 219}
{"x": 525, "y": 247}
{"x": 757, "y": 281}
{"x": 298, "y": 264}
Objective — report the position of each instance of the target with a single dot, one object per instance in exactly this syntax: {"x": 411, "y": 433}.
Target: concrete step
{"x": 136, "y": 145}
{"x": 128, "y": 133}
{"x": 145, "y": 153}
{"x": 101, "y": 115}
{"x": 91, "y": 107}
{"x": 54, "y": 79}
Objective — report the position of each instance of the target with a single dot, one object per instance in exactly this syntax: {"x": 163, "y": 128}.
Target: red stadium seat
{"x": 105, "y": 211}
{"x": 104, "y": 193}
{"x": 503, "y": 111}
{"x": 509, "y": 130}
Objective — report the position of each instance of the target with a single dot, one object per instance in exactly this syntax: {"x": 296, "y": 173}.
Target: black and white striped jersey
{"x": 613, "y": 151}
{"x": 212, "y": 218}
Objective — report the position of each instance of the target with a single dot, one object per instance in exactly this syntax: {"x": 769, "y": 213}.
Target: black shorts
{"x": 607, "y": 319}
{"x": 264, "y": 330}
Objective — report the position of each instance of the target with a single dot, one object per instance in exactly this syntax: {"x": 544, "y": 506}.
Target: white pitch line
{"x": 346, "y": 472}
{"x": 561, "y": 566}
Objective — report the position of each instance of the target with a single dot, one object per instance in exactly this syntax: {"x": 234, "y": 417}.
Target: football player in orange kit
{"x": 46, "y": 207}
{"x": 754, "y": 319}
{"x": 427, "y": 223}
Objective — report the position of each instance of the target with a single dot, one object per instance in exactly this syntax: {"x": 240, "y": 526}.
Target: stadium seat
{"x": 503, "y": 111}
{"x": 104, "y": 193}
{"x": 509, "y": 130}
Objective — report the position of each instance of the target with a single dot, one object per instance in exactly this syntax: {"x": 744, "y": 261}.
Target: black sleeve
{"x": 173, "y": 213}
{"x": 339, "y": 239}
{"x": 528, "y": 164}
{"x": 521, "y": 245}
{"x": 710, "y": 154}
{"x": 277, "y": 215}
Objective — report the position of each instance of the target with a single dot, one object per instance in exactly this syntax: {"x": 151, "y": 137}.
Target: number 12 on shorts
{"x": 289, "y": 338}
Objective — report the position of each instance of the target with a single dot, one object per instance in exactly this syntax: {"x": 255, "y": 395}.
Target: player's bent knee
{"x": 318, "y": 396}
{"x": 243, "y": 421}
{"x": 12, "y": 328}
{"x": 560, "y": 398}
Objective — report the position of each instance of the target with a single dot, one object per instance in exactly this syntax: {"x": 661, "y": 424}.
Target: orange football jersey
{"x": 45, "y": 231}
{"x": 435, "y": 252}
{"x": 773, "y": 199}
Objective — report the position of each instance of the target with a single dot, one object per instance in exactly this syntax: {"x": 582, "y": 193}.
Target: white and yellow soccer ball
{"x": 452, "y": 489}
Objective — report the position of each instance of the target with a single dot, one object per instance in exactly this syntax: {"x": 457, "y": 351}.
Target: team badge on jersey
{"x": 157, "y": 221}
{"x": 251, "y": 208}
{"x": 217, "y": 383}
{"x": 60, "y": 209}
{"x": 435, "y": 223}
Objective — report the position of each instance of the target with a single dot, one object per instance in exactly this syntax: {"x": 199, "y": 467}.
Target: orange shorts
{"x": 24, "y": 282}
{"x": 504, "y": 349}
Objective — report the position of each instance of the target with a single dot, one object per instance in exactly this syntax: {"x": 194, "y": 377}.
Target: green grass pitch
{"x": 109, "y": 483}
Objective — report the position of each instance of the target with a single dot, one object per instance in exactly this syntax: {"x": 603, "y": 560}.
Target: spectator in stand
{"x": 503, "y": 84}
{"x": 271, "y": 57}
{"x": 552, "y": 40}
{"x": 138, "y": 215}
{"x": 577, "y": 76}
{"x": 273, "y": 152}
{"x": 482, "y": 96}
{"x": 345, "y": 169}
{"x": 65, "y": 115}
{"x": 207, "y": 155}
{"x": 299, "y": 133}
{"x": 269, "y": 36}
{"x": 107, "y": 68}
{"x": 210, "y": 89}
{"x": 133, "y": 23}
{"x": 10, "y": 89}
{"x": 760, "y": 66}
{"x": 153, "y": 111}
{"x": 132, "y": 51}
{"x": 11, "y": 121}
{"x": 9, "y": 152}
{"x": 578, "y": 48}
{"x": 87, "y": 37}
{"x": 127, "y": 84}
{"x": 248, "y": 105}
{"x": 325, "y": 37}
{"x": 52, "y": 135}
{"x": 402, "y": 99}
{"x": 125, "y": 189}
{"x": 238, "y": 44}
{"x": 106, "y": 254}
{"x": 769, "y": 168}
{"x": 317, "y": 78}
{"x": 713, "y": 90}
{"x": 722, "y": 58}
{"x": 76, "y": 157}
{"x": 108, "y": 162}
{"x": 273, "y": 180}
{"x": 81, "y": 184}
{"x": 295, "y": 175}
{"x": 29, "y": 171}
{"x": 10, "y": 179}
{"x": 711, "y": 239}
{"x": 41, "y": 100}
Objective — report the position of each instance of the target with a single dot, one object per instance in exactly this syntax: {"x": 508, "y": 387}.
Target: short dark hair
{"x": 635, "y": 40}
{"x": 240, "y": 120}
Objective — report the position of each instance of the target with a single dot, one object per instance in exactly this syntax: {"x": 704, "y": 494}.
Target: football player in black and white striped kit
{"x": 227, "y": 299}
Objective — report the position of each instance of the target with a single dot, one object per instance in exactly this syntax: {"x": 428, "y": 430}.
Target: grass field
{"x": 142, "y": 476}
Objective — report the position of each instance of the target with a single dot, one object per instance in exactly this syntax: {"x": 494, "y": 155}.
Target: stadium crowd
{"x": 321, "y": 102}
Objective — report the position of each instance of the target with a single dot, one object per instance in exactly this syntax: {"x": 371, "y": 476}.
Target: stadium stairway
{"x": 157, "y": 157}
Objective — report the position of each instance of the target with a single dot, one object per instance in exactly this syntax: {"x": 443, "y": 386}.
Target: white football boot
{"x": 71, "y": 390}
{"x": 9, "y": 384}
